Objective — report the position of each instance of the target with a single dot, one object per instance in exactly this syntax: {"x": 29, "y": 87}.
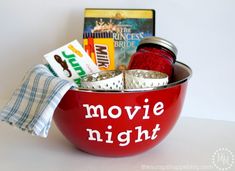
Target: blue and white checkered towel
{"x": 32, "y": 105}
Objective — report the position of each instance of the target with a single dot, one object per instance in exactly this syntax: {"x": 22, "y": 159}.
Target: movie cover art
{"x": 127, "y": 26}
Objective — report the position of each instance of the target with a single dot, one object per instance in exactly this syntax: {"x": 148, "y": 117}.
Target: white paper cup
{"x": 137, "y": 79}
{"x": 104, "y": 80}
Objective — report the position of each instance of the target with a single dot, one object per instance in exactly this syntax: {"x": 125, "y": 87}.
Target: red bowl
{"x": 122, "y": 123}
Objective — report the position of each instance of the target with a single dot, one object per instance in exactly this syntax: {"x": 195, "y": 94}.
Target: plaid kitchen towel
{"x": 32, "y": 105}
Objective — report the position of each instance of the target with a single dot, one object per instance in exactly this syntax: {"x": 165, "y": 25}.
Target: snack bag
{"x": 71, "y": 62}
{"x": 100, "y": 47}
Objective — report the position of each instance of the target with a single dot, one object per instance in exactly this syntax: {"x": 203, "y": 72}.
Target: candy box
{"x": 71, "y": 62}
{"x": 100, "y": 47}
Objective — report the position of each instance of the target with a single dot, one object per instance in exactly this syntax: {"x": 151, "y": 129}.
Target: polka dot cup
{"x": 137, "y": 79}
{"x": 104, "y": 80}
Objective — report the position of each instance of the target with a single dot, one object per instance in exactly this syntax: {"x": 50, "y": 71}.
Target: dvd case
{"x": 128, "y": 27}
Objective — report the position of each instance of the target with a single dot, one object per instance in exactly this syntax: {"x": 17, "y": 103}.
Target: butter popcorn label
{"x": 71, "y": 62}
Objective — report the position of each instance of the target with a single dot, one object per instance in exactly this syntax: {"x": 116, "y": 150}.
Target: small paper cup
{"x": 138, "y": 79}
{"x": 104, "y": 80}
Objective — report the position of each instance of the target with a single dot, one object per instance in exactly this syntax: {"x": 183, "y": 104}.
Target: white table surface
{"x": 189, "y": 146}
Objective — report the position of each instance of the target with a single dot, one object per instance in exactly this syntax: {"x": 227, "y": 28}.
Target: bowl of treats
{"x": 121, "y": 123}
{"x": 126, "y": 112}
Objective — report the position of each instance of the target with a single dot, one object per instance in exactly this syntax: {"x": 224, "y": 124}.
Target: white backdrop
{"x": 203, "y": 31}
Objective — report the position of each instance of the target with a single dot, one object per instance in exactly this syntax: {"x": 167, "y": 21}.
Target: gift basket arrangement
{"x": 119, "y": 94}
